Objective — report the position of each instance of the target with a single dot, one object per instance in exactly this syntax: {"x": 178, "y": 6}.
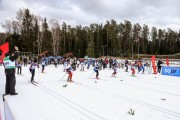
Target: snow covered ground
{"x": 152, "y": 97}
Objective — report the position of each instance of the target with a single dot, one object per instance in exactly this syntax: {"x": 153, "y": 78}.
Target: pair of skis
{"x": 34, "y": 83}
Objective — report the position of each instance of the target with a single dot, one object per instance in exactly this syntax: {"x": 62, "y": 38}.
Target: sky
{"x": 158, "y": 13}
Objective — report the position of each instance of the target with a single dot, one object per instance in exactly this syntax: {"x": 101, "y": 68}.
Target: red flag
{"x": 167, "y": 61}
{"x": 4, "y": 48}
{"x": 153, "y": 59}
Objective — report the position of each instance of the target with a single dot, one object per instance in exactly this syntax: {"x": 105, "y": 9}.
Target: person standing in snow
{"x": 96, "y": 70}
{"x": 25, "y": 61}
{"x": 159, "y": 63}
{"x": 9, "y": 64}
{"x": 32, "y": 69}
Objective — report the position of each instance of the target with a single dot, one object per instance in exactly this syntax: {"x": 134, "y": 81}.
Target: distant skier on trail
{"x": 140, "y": 67}
{"x": 115, "y": 70}
{"x": 55, "y": 62}
{"x": 32, "y": 69}
{"x": 43, "y": 63}
{"x": 133, "y": 70}
{"x": 69, "y": 72}
{"x": 82, "y": 66}
{"x": 96, "y": 70}
{"x": 19, "y": 68}
{"x": 126, "y": 65}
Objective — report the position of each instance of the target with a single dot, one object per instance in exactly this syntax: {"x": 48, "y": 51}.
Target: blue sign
{"x": 174, "y": 71}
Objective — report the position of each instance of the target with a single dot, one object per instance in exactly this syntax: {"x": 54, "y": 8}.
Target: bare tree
{"x": 7, "y": 26}
{"x": 55, "y": 27}
{"x": 19, "y": 17}
{"x": 39, "y": 20}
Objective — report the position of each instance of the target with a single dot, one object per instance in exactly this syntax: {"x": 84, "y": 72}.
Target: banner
{"x": 167, "y": 61}
{"x": 153, "y": 59}
{"x": 4, "y": 48}
{"x": 174, "y": 71}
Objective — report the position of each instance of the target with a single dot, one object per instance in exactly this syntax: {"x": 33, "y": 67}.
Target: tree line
{"x": 32, "y": 33}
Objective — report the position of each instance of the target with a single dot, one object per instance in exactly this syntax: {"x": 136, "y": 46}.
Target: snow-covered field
{"x": 152, "y": 97}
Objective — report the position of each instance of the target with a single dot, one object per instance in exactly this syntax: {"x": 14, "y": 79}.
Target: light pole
{"x": 103, "y": 49}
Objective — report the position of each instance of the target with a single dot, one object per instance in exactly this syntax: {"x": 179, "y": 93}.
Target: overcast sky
{"x": 158, "y": 13}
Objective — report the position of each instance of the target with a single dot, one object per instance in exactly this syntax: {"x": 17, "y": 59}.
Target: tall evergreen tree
{"x": 27, "y": 32}
{"x": 46, "y": 37}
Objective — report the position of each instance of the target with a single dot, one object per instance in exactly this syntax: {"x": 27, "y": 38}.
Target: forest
{"x": 32, "y": 33}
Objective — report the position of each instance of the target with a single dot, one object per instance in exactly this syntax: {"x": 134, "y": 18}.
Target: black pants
{"x": 97, "y": 73}
{"x": 10, "y": 83}
{"x": 25, "y": 64}
{"x": 43, "y": 66}
{"x": 33, "y": 74}
{"x": 55, "y": 64}
{"x": 126, "y": 67}
{"x": 159, "y": 69}
{"x": 19, "y": 70}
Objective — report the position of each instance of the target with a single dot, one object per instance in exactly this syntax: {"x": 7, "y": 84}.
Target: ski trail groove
{"x": 137, "y": 102}
{"x": 136, "y": 86}
{"x": 91, "y": 115}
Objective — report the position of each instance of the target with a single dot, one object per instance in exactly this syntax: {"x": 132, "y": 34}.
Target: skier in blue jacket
{"x": 96, "y": 70}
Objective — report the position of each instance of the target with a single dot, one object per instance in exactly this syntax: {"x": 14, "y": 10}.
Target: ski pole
{"x": 91, "y": 74}
{"x": 38, "y": 74}
{"x": 62, "y": 77}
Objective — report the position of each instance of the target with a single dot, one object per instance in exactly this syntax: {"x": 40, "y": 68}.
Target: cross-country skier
{"x": 88, "y": 64}
{"x": 43, "y": 63}
{"x": 115, "y": 70}
{"x": 55, "y": 62}
{"x": 133, "y": 70}
{"x": 96, "y": 70}
{"x": 69, "y": 72}
{"x": 126, "y": 65}
{"x": 19, "y": 68}
{"x": 140, "y": 66}
{"x": 82, "y": 66}
{"x": 32, "y": 69}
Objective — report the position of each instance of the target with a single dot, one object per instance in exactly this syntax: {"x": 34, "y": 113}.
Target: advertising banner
{"x": 174, "y": 71}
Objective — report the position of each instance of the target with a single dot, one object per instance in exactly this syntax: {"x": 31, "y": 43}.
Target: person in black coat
{"x": 9, "y": 64}
{"x": 159, "y": 65}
